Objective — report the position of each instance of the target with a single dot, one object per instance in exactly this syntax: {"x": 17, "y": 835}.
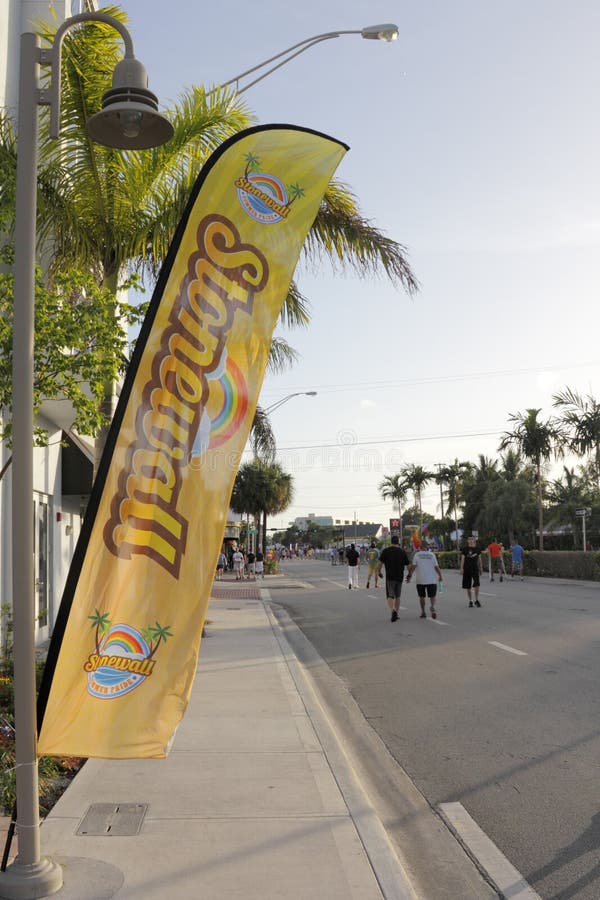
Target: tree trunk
{"x": 264, "y": 533}
{"x": 108, "y": 404}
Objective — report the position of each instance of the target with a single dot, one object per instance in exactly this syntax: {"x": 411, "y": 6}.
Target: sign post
{"x": 583, "y": 512}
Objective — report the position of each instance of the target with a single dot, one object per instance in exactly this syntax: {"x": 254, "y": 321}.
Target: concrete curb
{"x": 390, "y": 873}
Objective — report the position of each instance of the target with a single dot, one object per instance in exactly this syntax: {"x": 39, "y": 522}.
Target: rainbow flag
{"x": 124, "y": 651}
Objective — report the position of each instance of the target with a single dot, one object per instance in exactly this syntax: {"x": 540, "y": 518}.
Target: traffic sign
{"x": 584, "y": 511}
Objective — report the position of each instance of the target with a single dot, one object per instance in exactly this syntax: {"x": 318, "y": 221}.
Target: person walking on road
{"x": 353, "y": 558}
{"x": 496, "y": 562}
{"x": 259, "y": 564}
{"x": 238, "y": 564}
{"x": 429, "y": 575}
{"x": 221, "y": 563}
{"x": 471, "y": 569}
{"x": 516, "y": 554}
{"x": 373, "y": 568}
{"x": 394, "y": 559}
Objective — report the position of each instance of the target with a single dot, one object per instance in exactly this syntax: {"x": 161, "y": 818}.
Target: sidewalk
{"x": 247, "y": 805}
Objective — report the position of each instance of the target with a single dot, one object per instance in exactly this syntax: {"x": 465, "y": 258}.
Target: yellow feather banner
{"x": 125, "y": 646}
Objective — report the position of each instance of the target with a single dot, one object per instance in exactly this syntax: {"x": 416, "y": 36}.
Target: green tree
{"x": 394, "y": 488}
{"x": 79, "y": 345}
{"x": 415, "y": 478}
{"x": 453, "y": 476}
{"x": 278, "y": 496}
{"x": 580, "y": 417}
{"x": 509, "y": 507}
{"x": 536, "y": 440}
{"x": 565, "y": 495}
{"x": 261, "y": 489}
{"x": 475, "y": 486}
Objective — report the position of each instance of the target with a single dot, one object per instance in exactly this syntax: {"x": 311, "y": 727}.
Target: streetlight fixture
{"x": 283, "y": 400}
{"x": 386, "y": 32}
{"x": 130, "y": 120}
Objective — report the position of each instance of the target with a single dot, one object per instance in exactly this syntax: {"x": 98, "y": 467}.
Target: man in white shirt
{"x": 428, "y": 576}
{"x": 238, "y": 565}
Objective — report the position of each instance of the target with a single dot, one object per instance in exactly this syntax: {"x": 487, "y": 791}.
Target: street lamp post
{"x": 386, "y": 32}
{"x": 129, "y": 119}
{"x": 283, "y": 400}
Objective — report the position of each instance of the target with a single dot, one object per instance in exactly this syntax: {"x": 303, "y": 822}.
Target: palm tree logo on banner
{"x": 264, "y": 197}
{"x": 123, "y": 657}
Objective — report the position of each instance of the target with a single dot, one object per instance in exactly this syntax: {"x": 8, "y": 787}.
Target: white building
{"x": 62, "y": 474}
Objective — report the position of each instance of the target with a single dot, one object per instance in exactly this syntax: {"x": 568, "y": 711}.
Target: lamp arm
{"x": 303, "y": 45}
{"x": 52, "y": 57}
{"x": 284, "y": 61}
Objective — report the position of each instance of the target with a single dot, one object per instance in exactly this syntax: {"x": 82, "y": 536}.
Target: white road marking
{"x": 337, "y": 584}
{"x": 507, "y": 648}
{"x": 508, "y": 880}
{"x": 439, "y": 622}
{"x": 483, "y": 594}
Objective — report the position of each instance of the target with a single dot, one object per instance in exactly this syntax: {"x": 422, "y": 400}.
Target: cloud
{"x": 368, "y": 404}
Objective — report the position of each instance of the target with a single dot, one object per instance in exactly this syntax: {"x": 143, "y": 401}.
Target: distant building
{"x": 302, "y": 522}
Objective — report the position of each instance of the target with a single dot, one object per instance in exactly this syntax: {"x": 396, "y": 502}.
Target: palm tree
{"x": 157, "y": 633}
{"x": 101, "y": 621}
{"x": 536, "y": 440}
{"x": 110, "y": 210}
{"x": 279, "y": 495}
{"x": 566, "y": 494}
{"x": 416, "y": 477}
{"x": 394, "y": 488}
{"x": 453, "y": 476}
{"x": 581, "y": 420}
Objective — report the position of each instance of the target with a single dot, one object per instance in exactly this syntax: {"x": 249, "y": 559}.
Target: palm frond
{"x": 295, "y": 312}
{"x": 344, "y": 235}
{"x": 281, "y": 355}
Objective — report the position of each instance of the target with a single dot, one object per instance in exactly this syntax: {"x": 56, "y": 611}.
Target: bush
{"x": 563, "y": 564}
{"x": 448, "y": 559}
{"x": 54, "y": 774}
{"x": 271, "y": 567}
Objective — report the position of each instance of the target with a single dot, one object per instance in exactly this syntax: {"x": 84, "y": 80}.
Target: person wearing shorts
{"x": 372, "y": 559}
{"x": 471, "y": 569}
{"x": 495, "y": 553}
{"x": 238, "y": 564}
{"x": 428, "y": 576}
{"x": 394, "y": 559}
{"x": 516, "y": 552}
{"x": 221, "y": 562}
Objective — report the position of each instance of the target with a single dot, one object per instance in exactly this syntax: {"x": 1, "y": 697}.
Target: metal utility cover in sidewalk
{"x": 112, "y": 819}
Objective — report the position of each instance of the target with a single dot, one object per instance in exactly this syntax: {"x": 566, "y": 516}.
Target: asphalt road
{"x": 494, "y": 708}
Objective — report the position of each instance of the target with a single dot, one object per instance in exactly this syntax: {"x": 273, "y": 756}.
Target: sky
{"x": 474, "y": 142}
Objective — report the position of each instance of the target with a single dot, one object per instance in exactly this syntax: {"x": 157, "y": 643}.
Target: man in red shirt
{"x": 496, "y": 562}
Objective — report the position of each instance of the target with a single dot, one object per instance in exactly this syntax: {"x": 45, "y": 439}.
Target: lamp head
{"x": 380, "y": 32}
{"x": 129, "y": 119}
{"x": 311, "y": 393}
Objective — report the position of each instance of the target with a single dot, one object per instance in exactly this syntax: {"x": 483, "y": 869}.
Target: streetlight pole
{"x": 283, "y": 400}
{"x": 129, "y": 119}
{"x": 387, "y": 32}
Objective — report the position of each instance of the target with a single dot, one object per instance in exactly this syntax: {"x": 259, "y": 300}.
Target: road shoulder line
{"x": 507, "y": 879}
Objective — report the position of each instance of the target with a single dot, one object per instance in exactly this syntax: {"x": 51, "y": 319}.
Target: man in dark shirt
{"x": 471, "y": 569}
{"x": 353, "y": 557}
{"x": 394, "y": 559}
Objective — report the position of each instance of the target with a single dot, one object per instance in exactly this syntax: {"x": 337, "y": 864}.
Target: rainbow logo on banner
{"x": 263, "y": 197}
{"x": 233, "y": 406}
{"x": 118, "y": 666}
{"x": 226, "y": 408}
